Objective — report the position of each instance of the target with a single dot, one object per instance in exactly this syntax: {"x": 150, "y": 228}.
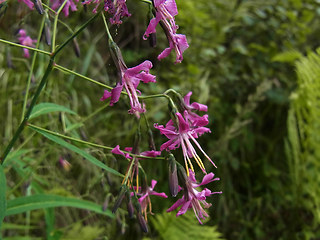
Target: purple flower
{"x": 69, "y": 5}
{"x": 184, "y": 136}
{"x": 192, "y": 198}
{"x": 192, "y": 117}
{"x": 130, "y": 79}
{"x": 145, "y": 194}
{"x": 165, "y": 12}
{"x": 26, "y": 41}
{"x": 117, "y": 8}
{"x": 29, "y": 3}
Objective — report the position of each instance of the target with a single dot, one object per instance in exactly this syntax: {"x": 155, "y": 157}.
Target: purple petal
{"x": 184, "y": 208}
{"x": 177, "y": 204}
{"x": 117, "y": 150}
{"x": 183, "y": 125}
{"x": 171, "y": 6}
{"x": 165, "y": 53}
{"x": 159, "y": 194}
{"x": 115, "y": 94}
{"x": 106, "y": 95}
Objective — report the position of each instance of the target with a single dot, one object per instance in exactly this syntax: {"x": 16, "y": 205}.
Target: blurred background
{"x": 254, "y": 63}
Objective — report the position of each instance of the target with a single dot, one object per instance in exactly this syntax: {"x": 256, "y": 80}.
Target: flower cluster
{"x": 166, "y": 10}
{"x": 192, "y": 198}
{"x": 185, "y": 130}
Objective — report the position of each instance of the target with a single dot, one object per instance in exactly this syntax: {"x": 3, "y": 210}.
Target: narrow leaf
{"x": 44, "y": 108}
{"x": 40, "y": 201}
{"x": 81, "y": 152}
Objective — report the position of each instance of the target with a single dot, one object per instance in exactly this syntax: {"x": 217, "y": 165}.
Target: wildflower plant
{"x": 183, "y": 130}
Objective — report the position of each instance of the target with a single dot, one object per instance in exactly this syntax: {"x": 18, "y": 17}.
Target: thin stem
{"x": 27, "y": 115}
{"x": 107, "y": 28}
{"x": 86, "y": 142}
{"x": 60, "y": 47}
{"x": 154, "y": 96}
{"x": 22, "y": 46}
{"x": 34, "y": 57}
{"x": 50, "y": 9}
{"x": 54, "y": 32}
{"x": 81, "y": 76}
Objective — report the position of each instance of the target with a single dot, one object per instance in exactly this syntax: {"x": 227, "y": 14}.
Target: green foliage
{"x": 44, "y": 108}
{"x": 3, "y": 198}
{"x": 82, "y": 232}
{"x": 41, "y": 201}
{"x": 186, "y": 227}
{"x": 302, "y": 146}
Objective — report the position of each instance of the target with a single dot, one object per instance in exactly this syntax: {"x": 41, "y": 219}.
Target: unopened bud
{"x": 173, "y": 176}
{"x": 117, "y": 58}
{"x": 47, "y": 32}
{"x": 152, "y": 145}
{"x": 119, "y": 200}
{"x": 183, "y": 180}
{"x": 142, "y": 222}
{"x": 65, "y": 164}
{"x": 153, "y": 40}
{"x": 38, "y": 6}
{"x": 76, "y": 47}
{"x": 9, "y": 60}
{"x": 129, "y": 205}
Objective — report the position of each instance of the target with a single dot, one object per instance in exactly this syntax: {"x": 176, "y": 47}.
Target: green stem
{"x": 54, "y": 32}
{"x": 85, "y": 142}
{"x": 81, "y": 76}
{"x": 31, "y": 69}
{"x": 107, "y": 28}
{"x": 27, "y": 115}
{"x": 22, "y": 46}
{"x": 50, "y": 9}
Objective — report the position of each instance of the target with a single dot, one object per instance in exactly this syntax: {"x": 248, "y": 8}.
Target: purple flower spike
{"x": 69, "y": 5}
{"x": 130, "y": 79}
{"x": 194, "y": 199}
{"x": 165, "y": 12}
{"x": 26, "y": 41}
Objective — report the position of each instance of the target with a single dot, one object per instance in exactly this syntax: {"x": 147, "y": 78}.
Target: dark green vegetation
{"x": 254, "y": 63}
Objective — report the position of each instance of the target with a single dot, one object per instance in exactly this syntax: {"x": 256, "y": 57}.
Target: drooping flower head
{"x": 194, "y": 199}
{"x": 26, "y": 41}
{"x": 70, "y": 5}
{"x": 145, "y": 193}
{"x": 130, "y": 79}
{"x": 184, "y": 135}
{"x": 165, "y": 12}
{"x": 117, "y": 8}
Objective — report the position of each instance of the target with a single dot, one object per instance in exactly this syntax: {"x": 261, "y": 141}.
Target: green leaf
{"x": 79, "y": 151}
{"x": 40, "y": 201}
{"x": 44, "y": 108}
{"x": 3, "y": 203}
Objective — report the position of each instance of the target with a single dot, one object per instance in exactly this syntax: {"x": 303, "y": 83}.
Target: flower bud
{"x": 38, "y": 6}
{"x": 183, "y": 179}
{"x": 119, "y": 200}
{"x": 142, "y": 221}
{"x": 9, "y": 60}
{"x": 117, "y": 58}
{"x": 47, "y": 33}
{"x": 129, "y": 205}
{"x": 152, "y": 145}
{"x": 173, "y": 176}
{"x": 76, "y": 47}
